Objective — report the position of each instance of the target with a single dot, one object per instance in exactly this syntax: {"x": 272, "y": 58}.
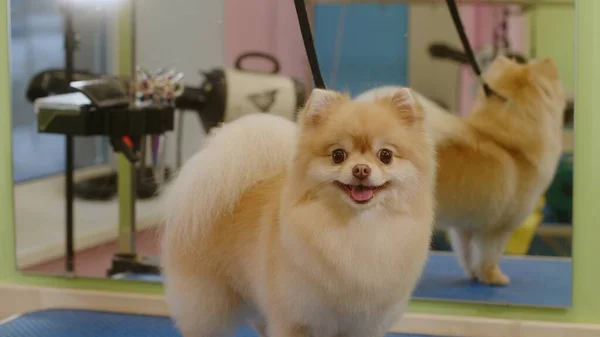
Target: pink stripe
{"x": 268, "y": 26}
{"x": 468, "y": 15}
{"x": 479, "y": 21}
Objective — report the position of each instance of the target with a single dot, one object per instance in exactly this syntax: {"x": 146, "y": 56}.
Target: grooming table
{"x": 535, "y": 281}
{"x": 80, "y": 323}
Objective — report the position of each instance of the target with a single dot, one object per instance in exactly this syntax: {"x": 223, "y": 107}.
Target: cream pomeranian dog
{"x": 317, "y": 229}
{"x": 494, "y": 165}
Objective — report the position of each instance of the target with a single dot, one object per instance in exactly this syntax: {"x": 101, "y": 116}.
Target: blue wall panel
{"x": 372, "y": 51}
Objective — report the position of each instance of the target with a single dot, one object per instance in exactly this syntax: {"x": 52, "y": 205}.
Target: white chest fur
{"x": 367, "y": 266}
{"x": 349, "y": 280}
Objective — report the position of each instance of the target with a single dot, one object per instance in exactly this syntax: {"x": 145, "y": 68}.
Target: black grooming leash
{"x": 468, "y": 50}
{"x": 311, "y": 53}
{"x": 309, "y": 44}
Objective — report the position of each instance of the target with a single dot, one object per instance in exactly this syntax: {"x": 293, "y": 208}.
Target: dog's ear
{"x": 319, "y": 104}
{"x": 407, "y": 106}
{"x": 546, "y": 68}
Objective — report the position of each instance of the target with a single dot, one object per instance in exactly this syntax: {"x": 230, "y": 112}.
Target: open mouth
{"x": 361, "y": 194}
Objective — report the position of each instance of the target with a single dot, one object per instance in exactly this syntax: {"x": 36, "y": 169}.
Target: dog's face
{"x": 362, "y": 153}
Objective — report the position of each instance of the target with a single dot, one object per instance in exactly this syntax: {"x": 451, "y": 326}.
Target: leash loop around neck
{"x": 309, "y": 44}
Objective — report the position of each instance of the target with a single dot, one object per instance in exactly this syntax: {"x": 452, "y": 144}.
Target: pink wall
{"x": 479, "y": 22}
{"x": 268, "y": 26}
{"x": 471, "y": 22}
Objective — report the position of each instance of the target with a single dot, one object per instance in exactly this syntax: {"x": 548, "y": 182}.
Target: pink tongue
{"x": 361, "y": 194}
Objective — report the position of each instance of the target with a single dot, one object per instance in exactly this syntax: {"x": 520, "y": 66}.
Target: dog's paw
{"x": 493, "y": 276}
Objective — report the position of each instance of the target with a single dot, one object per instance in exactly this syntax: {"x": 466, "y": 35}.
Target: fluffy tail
{"x": 237, "y": 156}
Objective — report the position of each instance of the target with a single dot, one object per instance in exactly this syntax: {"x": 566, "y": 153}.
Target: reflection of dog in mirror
{"x": 496, "y": 163}
{"x": 322, "y": 230}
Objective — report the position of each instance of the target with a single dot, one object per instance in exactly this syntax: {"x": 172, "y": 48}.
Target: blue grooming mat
{"x": 80, "y": 323}
{"x": 535, "y": 281}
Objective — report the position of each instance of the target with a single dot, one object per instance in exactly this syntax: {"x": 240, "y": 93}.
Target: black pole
{"x": 70, "y": 45}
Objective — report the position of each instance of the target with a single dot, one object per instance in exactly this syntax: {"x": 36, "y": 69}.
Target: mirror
{"x": 232, "y": 59}
{"x": 360, "y": 47}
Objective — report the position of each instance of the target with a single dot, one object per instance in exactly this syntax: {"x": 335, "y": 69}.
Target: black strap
{"x": 311, "y": 53}
{"x": 468, "y": 50}
{"x": 309, "y": 44}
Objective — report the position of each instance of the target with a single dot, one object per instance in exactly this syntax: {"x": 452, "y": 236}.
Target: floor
{"x": 95, "y": 261}
{"x": 40, "y": 219}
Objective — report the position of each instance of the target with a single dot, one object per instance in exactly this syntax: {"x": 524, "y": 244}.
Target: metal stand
{"x": 126, "y": 171}
{"x": 127, "y": 260}
{"x": 70, "y": 47}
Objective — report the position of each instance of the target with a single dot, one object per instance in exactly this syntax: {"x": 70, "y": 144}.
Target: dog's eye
{"x": 338, "y": 156}
{"x": 385, "y": 156}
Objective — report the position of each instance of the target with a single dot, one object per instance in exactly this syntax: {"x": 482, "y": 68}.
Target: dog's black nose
{"x": 361, "y": 171}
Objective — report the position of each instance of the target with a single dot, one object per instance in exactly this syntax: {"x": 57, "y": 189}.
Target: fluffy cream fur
{"x": 496, "y": 163}
{"x": 266, "y": 223}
